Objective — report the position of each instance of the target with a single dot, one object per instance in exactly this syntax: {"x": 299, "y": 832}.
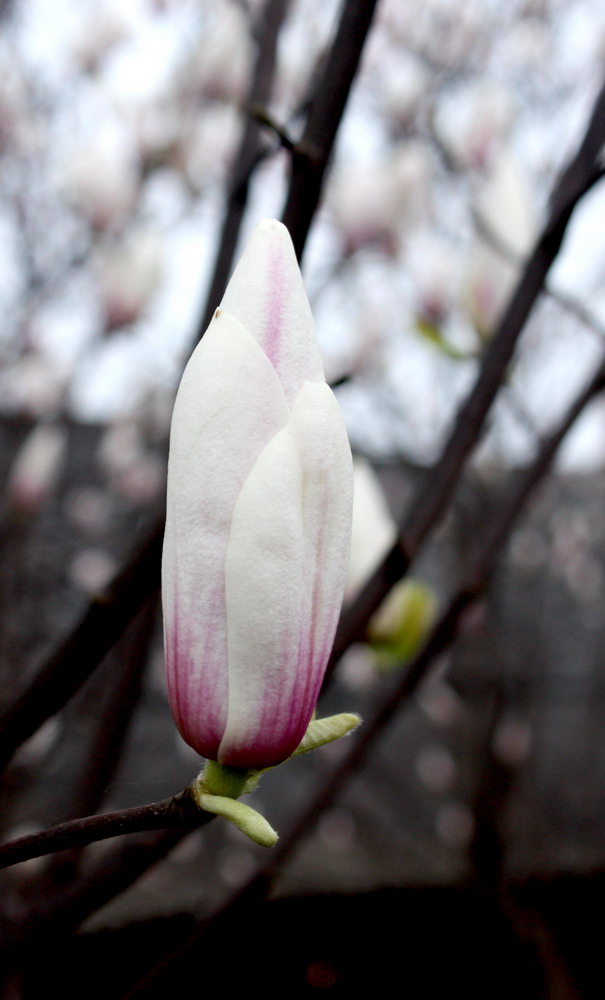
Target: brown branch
{"x": 249, "y": 152}
{"x": 107, "y": 616}
{"x": 474, "y": 583}
{"x": 105, "y": 879}
{"x": 76, "y": 657}
{"x": 435, "y": 493}
{"x": 178, "y": 812}
{"x": 107, "y": 704}
{"x": 118, "y": 871}
{"x": 312, "y": 154}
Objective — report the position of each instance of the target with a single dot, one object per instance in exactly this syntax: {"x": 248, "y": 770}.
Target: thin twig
{"x": 248, "y": 155}
{"x": 107, "y": 616}
{"x": 105, "y": 879}
{"x": 436, "y": 491}
{"x": 473, "y": 585}
{"x": 76, "y": 904}
{"x": 82, "y": 650}
{"x": 178, "y": 812}
{"x": 115, "y": 692}
{"x": 312, "y": 154}
{"x": 475, "y": 581}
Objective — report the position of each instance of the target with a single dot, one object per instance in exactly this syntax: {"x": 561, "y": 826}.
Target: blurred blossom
{"x": 444, "y": 31}
{"x": 128, "y": 276}
{"x": 208, "y": 144}
{"x": 375, "y": 205}
{"x": 156, "y": 126}
{"x": 455, "y": 825}
{"x": 18, "y": 130}
{"x": 36, "y": 467}
{"x": 526, "y": 47}
{"x": 357, "y": 669}
{"x": 405, "y": 82}
{"x": 434, "y": 267}
{"x": 134, "y": 472}
{"x": 104, "y": 27}
{"x": 33, "y": 386}
{"x": 401, "y": 622}
{"x": 472, "y": 120}
{"x": 100, "y": 181}
{"x": 373, "y": 529}
{"x": 88, "y": 509}
{"x": 506, "y": 232}
{"x": 219, "y": 64}
{"x": 436, "y": 767}
{"x": 91, "y": 570}
{"x": 440, "y": 702}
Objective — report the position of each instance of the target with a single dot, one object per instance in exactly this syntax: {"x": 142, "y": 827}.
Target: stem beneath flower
{"x": 219, "y": 779}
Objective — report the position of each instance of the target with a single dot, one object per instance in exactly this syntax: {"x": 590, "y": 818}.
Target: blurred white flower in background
{"x": 507, "y": 229}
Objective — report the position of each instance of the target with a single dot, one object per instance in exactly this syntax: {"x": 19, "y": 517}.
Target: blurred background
{"x": 467, "y": 847}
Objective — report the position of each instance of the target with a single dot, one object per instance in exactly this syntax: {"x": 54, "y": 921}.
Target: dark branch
{"x": 443, "y": 634}
{"x": 77, "y": 656}
{"x": 436, "y": 491}
{"x": 178, "y": 812}
{"x": 312, "y": 153}
{"x": 108, "y": 615}
{"x": 248, "y": 155}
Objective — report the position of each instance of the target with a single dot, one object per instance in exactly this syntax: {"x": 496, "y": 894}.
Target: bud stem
{"x": 219, "y": 779}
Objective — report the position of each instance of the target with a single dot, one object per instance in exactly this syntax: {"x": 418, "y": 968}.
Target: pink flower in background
{"x": 258, "y": 518}
{"x": 36, "y": 467}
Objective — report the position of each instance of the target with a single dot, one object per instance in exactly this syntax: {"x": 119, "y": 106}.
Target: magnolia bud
{"x": 258, "y": 519}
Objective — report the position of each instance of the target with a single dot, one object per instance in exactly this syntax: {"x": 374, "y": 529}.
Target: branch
{"x": 178, "y": 812}
{"x": 435, "y": 492}
{"x": 114, "y": 874}
{"x": 107, "y": 878}
{"x": 107, "y": 616}
{"x": 311, "y": 155}
{"x": 76, "y": 657}
{"x": 248, "y": 154}
{"x": 473, "y": 585}
{"x": 107, "y": 704}
{"x": 444, "y": 632}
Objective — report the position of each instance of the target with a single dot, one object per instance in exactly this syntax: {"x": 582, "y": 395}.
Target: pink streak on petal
{"x": 274, "y": 330}
{"x": 197, "y": 707}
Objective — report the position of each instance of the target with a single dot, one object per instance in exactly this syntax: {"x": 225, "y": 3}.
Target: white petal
{"x": 228, "y": 406}
{"x": 267, "y": 295}
{"x": 326, "y": 461}
{"x": 285, "y": 570}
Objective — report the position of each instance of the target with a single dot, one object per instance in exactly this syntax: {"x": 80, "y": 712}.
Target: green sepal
{"x": 322, "y": 731}
{"x": 220, "y": 779}
{"x": 246, "y": 819}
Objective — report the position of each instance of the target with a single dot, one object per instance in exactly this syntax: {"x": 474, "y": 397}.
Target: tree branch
{"x": 247, "y": 157}
{"x": 435, "y": 492}
{"x": 312, "y": 153}
{"x": 178, "y": 812}
{"x": 76, "y": 657}
{"x": 445, "y": 630}
{"x": 107, "y": 616}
